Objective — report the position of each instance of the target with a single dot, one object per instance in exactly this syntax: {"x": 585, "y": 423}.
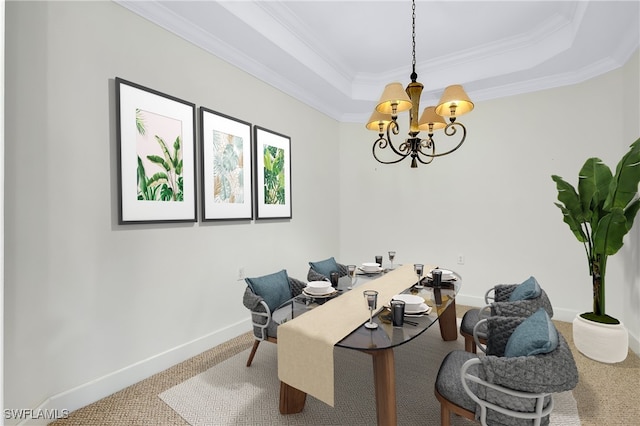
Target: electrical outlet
{"x": 461, "y": 259}
{"x": 241, "y": 273}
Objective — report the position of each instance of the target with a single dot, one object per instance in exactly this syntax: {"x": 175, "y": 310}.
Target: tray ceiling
{"x": 337, "y": 56}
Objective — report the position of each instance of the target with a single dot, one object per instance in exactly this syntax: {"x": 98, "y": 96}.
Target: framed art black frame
{"x": 272, "y": 176}
{"x": 226, "y": 167}
{"x": 156, "y": 155}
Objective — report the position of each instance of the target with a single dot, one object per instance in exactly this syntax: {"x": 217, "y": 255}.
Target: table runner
{"x": 305, "y": 344}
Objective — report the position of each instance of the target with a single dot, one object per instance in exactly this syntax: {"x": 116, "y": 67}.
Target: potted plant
{"x": 600, "y": 213}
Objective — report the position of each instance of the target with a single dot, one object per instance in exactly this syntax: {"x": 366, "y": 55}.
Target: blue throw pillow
{"x": 325, "y": 267}
{"x": 529, "y": 289}
{"x": 535, "y": 335}
{"x": 273, "y": 288}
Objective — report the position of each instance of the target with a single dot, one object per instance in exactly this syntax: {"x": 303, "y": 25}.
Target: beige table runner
{"x": 305, "y": 344}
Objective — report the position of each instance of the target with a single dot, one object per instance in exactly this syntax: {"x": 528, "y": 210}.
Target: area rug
{"x": 232, "y": 394}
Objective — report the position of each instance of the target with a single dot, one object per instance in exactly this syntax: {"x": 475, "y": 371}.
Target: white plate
{"x": 423, "y": 309}
{"x": 331, "y": 293}
{"x": 370, "y": 271}
{"x": 446, "y": 275}
{"x": 409, "y": 299}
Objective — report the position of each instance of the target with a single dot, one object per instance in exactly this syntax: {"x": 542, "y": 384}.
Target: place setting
{"x": 436, "y": 277}
{"x": 319, "y": 291}
{"x": 370, "y": 268}
{"x": 414, "y": 306}
{"x": 403, "y": 306}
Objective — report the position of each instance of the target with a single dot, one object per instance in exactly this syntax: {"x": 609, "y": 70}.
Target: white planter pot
{"x": 602, "y": 342}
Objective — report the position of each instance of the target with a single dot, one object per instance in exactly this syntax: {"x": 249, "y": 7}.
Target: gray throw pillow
{"x": 325, "y": 267}
{"x": 273, "y": 288}
{"x": 529, "y": 289}
{"x": 535, "y": 335}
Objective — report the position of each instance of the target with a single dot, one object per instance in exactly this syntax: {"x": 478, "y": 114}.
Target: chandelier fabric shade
{"x": 377, "y": 120}
{"x": 395, "y": 99}
{"x": 429, "y": 117}
{"x": 454, "y": 96}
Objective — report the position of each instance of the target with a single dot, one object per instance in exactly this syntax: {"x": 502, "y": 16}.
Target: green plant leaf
{"x": 157, "y": 179}
{"x": 608, "y": 235}
{"x": 159, "y": 160}
{"x": 176, "y": 152}
{"x": 166, "y": 193}
{"x": 568, "y": 196}
{"x": 624, "y": 186}
{"x": 142, "y": 176}
{"x": 140, "y": 122}
{"x": 267, "y": 160}
{"x": 575, "y": 225}
{"x": 165, "y": 150}
{"x": 593, "y": 186}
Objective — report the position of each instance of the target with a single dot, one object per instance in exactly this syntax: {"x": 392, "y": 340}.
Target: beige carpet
{"x": 232, "y": 394}
{"x": 607, "y": 394}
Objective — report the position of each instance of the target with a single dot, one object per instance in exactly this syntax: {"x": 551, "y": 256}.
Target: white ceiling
{"x": 337, "y": 56}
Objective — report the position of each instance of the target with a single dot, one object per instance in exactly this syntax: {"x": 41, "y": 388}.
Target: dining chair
{"x": 509, "y": 300}
{"x": 526, "y": 361}
{"x": 321, "y": 270}
{"x": 263, "y": 296}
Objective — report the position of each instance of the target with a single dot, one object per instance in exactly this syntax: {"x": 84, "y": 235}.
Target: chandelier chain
{"x": 413, "y": 40}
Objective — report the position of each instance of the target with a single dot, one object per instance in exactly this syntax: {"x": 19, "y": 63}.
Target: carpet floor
{"x": 232, "y": 394}
{"x": 606, "y": 393}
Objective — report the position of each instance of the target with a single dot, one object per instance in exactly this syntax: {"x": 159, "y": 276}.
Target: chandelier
{"x": 453, "y": 103}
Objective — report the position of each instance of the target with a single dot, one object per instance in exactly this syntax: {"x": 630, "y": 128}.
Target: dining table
{"x": 311, "y": 327}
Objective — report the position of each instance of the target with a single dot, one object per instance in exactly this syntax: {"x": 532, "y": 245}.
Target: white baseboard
{"x": 92, "y": 391}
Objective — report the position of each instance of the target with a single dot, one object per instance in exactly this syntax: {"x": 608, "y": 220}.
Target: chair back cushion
{"x": 535, "y": 335}
{"x": 273, "y": 288}
{"x": 528, "y": 289}
{"x": 325, "y": 267}
{"x": 555, "y": 371}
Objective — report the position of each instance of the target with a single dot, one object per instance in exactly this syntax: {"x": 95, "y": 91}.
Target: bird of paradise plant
{"x": 600, "y": 213}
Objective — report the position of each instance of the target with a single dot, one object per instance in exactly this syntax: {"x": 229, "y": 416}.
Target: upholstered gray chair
{"x": 320, "y": 270}
{"x": 526, "y": 361}
{"x": 509, "y": 300}
{"x": 263, "y": 296}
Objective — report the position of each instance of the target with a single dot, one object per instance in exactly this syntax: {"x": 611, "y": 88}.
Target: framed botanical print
{"x": 272, "y": 174}
{"x": 156, "y": 155}
{"x": 226, "y": 167}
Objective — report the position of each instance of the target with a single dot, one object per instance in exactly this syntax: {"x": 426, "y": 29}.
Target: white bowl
{"x": 370, "y": 267}
{"x": 411, "y": 302}
{"x": 446, "y": 274}
{"x": 318, "y": 287}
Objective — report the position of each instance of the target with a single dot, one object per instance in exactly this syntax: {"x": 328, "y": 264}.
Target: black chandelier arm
{"x": 382, "y": 143}
{"x": 428, "y": 144}
{"x": 394, "y": 128}
{"x": 403, "y": 149}
{"x": 450, "y": 130}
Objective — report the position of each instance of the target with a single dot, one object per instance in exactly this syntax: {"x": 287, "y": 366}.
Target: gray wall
{"x": 85, "y": 294}
{"x": 91, "y": 306}
{"x": 493, "y": 200}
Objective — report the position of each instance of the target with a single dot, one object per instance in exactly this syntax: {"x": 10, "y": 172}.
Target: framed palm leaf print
{"x": 273, "y": 174}
{"x": 226, "y": 167}
{"x": 156, "y": 155}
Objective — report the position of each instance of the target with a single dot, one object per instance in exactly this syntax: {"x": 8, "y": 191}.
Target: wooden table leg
{"x": 291, "y": 399}
{"x": 384, "y": 375}
{"x": 448, "y": 323}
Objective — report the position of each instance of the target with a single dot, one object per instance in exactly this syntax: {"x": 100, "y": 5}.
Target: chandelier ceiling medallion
{"x": 453, "y": 103}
